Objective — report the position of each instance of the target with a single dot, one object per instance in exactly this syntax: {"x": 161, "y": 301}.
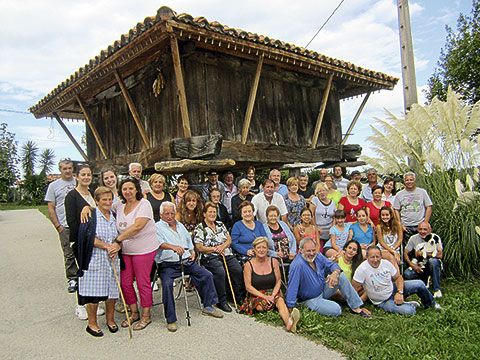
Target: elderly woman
{"x": 245, "y": 231}
{"x": 222, "y": 212}
{"x": 254, "y": 185}
{"x": 332, "y": 193}
{"x": 280, "y": 235}
{"x": 158, "y": 194}
{"x": 182, "y": 187}
{"x": 108, "y": 178}
{"x": 373, "y": 207}
{"x": 189, "y": 211}
{"x": 243, "y": 194}
{"x": 139, "y": 243}
{"x": 294, "y": 202}
{"x": 98, "y": 250}
{"x": 75, "y": 201}
{"x": 213, "y": 241}
{"x": 324, "y": 210}
{"x": 262, "y": 278}
{"x": 351, "y": 203}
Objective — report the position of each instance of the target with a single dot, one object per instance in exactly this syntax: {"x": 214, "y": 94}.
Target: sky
{"x": 43, "y": 42}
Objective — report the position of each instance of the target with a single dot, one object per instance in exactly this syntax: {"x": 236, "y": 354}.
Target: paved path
{"x": 38, "y": 322}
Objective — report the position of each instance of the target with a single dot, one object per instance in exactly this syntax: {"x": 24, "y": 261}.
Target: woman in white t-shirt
{"x": 137, "y": 235}
{"x": 324, "y": 211}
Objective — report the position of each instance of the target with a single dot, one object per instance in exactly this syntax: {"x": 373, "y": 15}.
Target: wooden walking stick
{"x": 123, "y": 298}
{"x": 230, "y": 282}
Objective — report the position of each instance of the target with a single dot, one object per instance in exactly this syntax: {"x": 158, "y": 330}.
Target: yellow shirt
{"x": 346, "y": 268}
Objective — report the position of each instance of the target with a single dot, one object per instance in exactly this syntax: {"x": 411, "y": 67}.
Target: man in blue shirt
{"x": 307, "y": 283}
{"x": 175, "y": 242}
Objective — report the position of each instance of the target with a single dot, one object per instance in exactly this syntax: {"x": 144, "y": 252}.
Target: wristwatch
{"x": 400, "y": 292}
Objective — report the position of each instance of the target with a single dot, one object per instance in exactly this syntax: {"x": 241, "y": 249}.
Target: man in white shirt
{"x": 385, "y": 287}
{"x": 339, "y": 180}
{"x": 55, "y": 197}
{"x": 266, "y": 198}
{"x": 135, "y": 170}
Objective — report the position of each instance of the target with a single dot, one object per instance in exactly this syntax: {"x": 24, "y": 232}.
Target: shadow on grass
{"x": 453, "y": 332}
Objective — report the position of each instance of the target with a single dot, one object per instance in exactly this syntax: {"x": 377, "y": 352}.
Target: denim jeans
{"x": 410, "y": 287}
{"x": 323, "y": 306}
{"x": 433, "y": 268}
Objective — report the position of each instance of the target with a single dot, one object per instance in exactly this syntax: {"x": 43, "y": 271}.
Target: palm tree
{"x": 46, "y": 161}
{"x": 29, "y": 157}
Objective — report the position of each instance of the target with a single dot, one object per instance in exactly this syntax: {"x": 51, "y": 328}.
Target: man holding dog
{"x": 385, "y": 287}
{"x": 422, "y": 267}
{"x": 175, "y": 246}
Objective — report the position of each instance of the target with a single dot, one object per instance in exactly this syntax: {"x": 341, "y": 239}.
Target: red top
{"x": 375, "y": 211}
{"x": 351, "y": 210}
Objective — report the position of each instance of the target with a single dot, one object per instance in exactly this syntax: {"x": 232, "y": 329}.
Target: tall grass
{"x": 455, "y": 225}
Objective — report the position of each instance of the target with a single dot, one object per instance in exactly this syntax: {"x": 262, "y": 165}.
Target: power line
{"x": 325, "y": 23}
{"x": 14, "y": 111}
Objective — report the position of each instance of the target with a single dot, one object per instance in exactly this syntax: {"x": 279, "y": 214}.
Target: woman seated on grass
{"x": 350, "y": 258}
{"x": 262, "y": 278}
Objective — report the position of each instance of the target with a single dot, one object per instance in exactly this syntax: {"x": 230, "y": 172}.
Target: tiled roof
{"x": 165, "y": 14}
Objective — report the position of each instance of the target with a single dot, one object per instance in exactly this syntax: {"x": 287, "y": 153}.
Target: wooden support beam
{"x": 70, "y": 136}
{"x": 133, "y": 109}
{"x": 182, "y": 95}
{"x": 89, "y": 121}
{"x": 251, "y": 100}
{"x": 355, "y": 118}
{"x": 323, "y": 106}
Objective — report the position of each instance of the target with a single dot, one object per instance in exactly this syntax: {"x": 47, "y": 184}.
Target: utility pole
{"x": 406, "y": 50}
{"x": 408, "y": 70}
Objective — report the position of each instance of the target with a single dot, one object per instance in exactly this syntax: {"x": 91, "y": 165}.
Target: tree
{"x": 8, "y": 161}
{"x": 29, "y": 157}
{"x": 459, "y": 63}
{"x": 46, "y": 161}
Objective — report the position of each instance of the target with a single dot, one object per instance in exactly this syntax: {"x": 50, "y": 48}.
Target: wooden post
{"x": 251, "y": 100}
{"x": 70, "y": 136}
{"x": 182, "y": 95}
{"x": 355, "y": 118}
{"x": 323, "y": 106}
{"x": 133, "y": 109}
{"x": 96, "y": 135}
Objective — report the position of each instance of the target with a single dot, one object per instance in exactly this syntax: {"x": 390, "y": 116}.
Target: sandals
{"x": 142, "y": 324}
{"x": 293, "y": 320}
{"x": 133, "y": 319}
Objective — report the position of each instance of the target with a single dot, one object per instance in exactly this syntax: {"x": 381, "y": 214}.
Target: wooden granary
{"x": 181, "y": 90}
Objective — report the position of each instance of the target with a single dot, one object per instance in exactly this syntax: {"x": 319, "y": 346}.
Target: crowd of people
{"x": 263, "y": 246}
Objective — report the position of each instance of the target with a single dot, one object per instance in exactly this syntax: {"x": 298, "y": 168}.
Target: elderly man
{"x": 135, "y": 170}
{"x": 230, "y": 191}
{"x": 356, "y": 175}
{"x": 275, "y": 175}
{"x": 55, "y": 197}
{"x": 385, "y": 287}
{"x": 420, "y": 267}
{"x": 340, "y": 181}
{"x": 175, "y": 246}
{"x": 212, "y": 183}
{"x": 313, "y": 280}
{"x": 372, "y": 178}
{"x": 268, "y": 197}
{"x": 322, "y": 173}
{"x": 412, "y": 206}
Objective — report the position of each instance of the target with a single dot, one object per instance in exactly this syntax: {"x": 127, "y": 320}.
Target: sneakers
{"x": 172, "y": 327}
{"x": 154, "y": 286}
{"x": 437, "y": 294}
{"x": 437, "y": 306}
{"x": 211, "y": 311}
{"x": 81, "y": 312}
{"x": 100, "y": 311}
{"x": 414, "y": 303}
{"x": 72, "y": 286}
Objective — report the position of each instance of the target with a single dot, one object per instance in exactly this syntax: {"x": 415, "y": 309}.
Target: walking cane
{"x": 283, "y": 272}
{"x": 121, "y": 295}
{"x": 230, "y": 282}
{"x": 184, "y": 291}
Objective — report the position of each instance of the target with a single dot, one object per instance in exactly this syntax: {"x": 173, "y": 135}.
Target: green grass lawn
{"x": 13, "y": 206}
{"x": 452, "y": 333}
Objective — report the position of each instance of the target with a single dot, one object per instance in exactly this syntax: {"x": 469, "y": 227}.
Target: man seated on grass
{"x": 385, "y": 287}
{"x": 313, "y": 280}
{"x": 420, "y": 267}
